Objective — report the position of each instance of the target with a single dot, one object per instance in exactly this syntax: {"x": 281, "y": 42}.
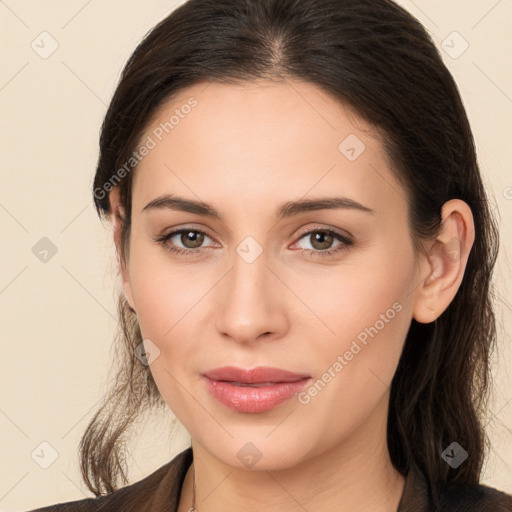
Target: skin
{"x": 246, "y": 149}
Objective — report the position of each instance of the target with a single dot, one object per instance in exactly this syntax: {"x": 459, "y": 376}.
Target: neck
{"x": 356, "y": 474}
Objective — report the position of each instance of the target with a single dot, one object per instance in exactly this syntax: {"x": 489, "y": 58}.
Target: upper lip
{"x": 256, "y": 375}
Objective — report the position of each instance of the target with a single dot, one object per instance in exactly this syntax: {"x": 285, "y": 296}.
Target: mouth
{"x": 264, "y": 375}
{"x": 253, "y": 385}
{"x": 253, "y": 391}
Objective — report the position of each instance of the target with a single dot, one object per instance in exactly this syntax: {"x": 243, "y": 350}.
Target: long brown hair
{"x": 374, "y": 56}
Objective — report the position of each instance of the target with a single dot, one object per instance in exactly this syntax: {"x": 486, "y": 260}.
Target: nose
{"x": 251, "y": 302}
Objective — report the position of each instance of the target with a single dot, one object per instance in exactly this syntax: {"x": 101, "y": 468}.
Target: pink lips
{"x": 257, "y": 390}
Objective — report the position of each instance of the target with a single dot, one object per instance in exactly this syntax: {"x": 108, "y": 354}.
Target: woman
{"x": 305, "y": 249}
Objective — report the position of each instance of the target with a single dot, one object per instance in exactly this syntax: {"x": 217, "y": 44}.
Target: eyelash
{"x": 346, "y": 242}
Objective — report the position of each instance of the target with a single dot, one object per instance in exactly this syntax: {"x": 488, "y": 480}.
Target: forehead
{"x": 272, "y": 140}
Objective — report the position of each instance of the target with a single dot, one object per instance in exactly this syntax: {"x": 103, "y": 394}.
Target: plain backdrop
{"x": 58, "y": 315}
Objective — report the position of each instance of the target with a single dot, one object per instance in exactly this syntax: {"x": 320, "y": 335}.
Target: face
{"x": 325, "y": 292}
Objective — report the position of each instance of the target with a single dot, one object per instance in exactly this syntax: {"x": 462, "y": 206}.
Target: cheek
{"x": 165, "y": 301}
{"x": 164, "y": 292}
{"x": 358, "y": 294}
{"x": 365, "y": 312}
{"x": 354, "y": 369}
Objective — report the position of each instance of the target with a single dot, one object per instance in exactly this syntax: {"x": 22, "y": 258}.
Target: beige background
{"x": 58, "y": 317}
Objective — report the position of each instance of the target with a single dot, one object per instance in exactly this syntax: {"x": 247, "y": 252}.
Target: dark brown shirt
{"x": 160, "y": 492}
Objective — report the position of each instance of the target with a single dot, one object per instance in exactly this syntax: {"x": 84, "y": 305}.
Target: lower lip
{"x": 254, "y": 399}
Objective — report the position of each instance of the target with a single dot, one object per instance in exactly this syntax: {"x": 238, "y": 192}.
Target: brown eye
{"x": 184, "y": 241}
{"x": 321, "y": 240}
{"x": 191, "y": 239}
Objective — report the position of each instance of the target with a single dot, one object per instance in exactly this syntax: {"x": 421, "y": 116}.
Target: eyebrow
{"x": 285, "y": 210}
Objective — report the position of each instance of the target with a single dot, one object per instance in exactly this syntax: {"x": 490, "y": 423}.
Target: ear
{"x": 444, "y": 267}
{"x": 118, "y": 216}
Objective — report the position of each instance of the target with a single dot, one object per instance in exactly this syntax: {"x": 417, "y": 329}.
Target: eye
{"x": 322, "y": 240}
{"x": 192, "y": 240}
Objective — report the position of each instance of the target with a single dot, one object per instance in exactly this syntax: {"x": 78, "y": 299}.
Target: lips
{"x": 253, "y": 391}
{"x": 262, "y": 375}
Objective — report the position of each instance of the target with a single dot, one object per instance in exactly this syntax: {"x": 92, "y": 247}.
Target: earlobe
{"x": 446, "y": 262}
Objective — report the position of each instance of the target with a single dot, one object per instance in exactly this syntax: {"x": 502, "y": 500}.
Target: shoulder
{"x": 418, "y": 496}
{"x": 475, "y": 498}
{"x": 157, "y": 492}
